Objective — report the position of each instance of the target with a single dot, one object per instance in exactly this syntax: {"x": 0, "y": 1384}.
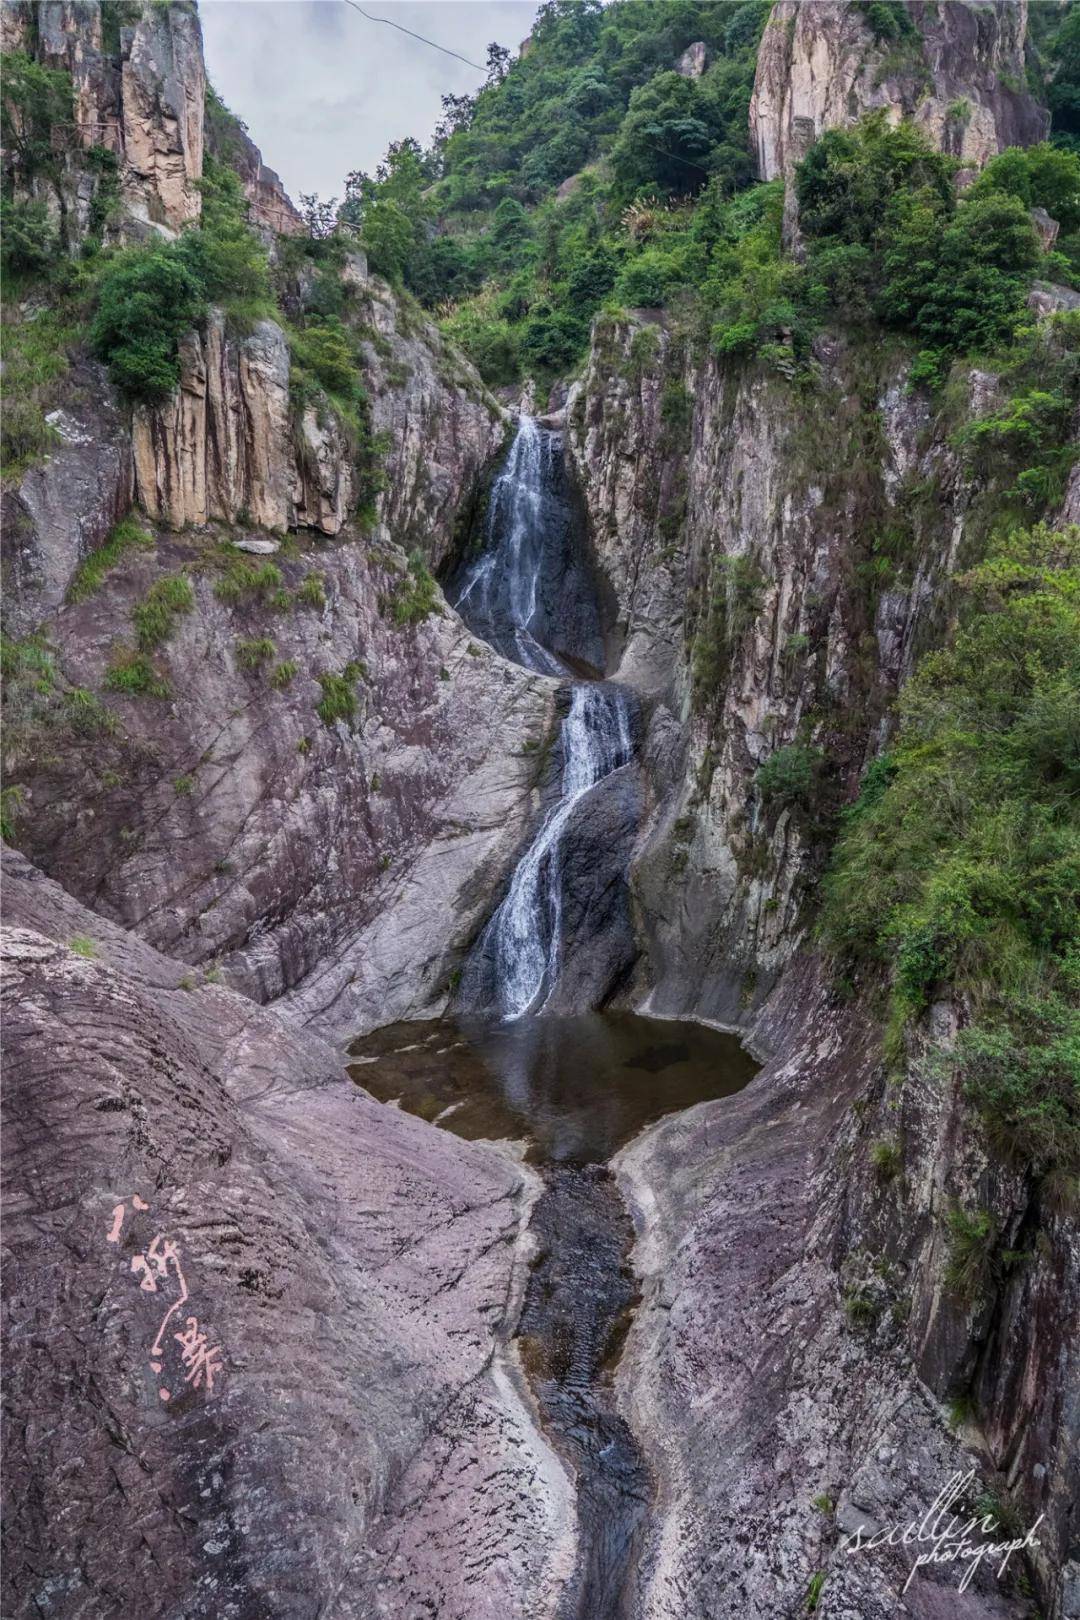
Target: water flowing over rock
{"x": 529, "y": 592}
{"x": 518, "y": 965}
{"x": 517, "y": 594}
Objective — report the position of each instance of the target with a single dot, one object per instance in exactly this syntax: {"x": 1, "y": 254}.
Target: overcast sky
{"x": 323, "y": 91}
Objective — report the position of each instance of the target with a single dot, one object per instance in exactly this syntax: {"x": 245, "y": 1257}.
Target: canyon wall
{"x": 956, "y": 70}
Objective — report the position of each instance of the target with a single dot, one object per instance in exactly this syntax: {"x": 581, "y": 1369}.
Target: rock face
{"x": 343, "y": 862}
{"x": 730, "y": 546}
{"x": 334, "y": 1278}
{"x": 221, "y": 445}
{"x": 778, "y": 1371}
{"x": 64, "y": 508}
{"x": 143, "y": 102}
{"x": 439, "y": 423}
{"x": 228, "y": 444}
{"x": 957, "y": 75}
{"x": 271, "y": 207}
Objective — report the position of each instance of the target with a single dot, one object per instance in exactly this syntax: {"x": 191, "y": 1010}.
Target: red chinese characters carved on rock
{"x": 159, "y": 1270}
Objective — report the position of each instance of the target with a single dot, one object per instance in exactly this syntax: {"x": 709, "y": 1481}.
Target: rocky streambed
{"x": 573, "y": 1091}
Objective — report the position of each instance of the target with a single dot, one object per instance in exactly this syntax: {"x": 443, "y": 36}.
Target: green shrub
{"x": 972, "y": 1236}
{"x": 184, "y": 786}
{"x": 12, "y": 800}
{"x": 127, "y": 535}
{"x": 35, "y": 363}
{"x": 789, "y": 777}
{"x": 29, "y": 240}
{"x": 35, "y": 102}
{"x": 960, "y": 864}
{"x": 155, "y": 617}
{"x": 83, "y": 945}
{"x": 148, "y": 297}
{"x": 886, "y": 1158}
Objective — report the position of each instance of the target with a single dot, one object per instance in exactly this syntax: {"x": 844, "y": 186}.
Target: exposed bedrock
{"x": 349, "y": 1425}
{"x": 789, "y": 1370}
{"x": 343, "y": 860}
{"x": 959, "y": 74}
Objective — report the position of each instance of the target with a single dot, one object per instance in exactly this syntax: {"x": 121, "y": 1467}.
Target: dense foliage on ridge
{"x": 590, "y": 174}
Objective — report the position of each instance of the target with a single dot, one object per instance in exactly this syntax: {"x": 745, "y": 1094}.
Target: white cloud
{"x": 322, "y": 90}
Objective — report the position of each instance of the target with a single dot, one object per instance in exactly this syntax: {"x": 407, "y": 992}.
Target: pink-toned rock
{"x": 340, "y": 1433}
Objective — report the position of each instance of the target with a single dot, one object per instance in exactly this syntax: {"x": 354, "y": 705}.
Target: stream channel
{"x": 575, "y": 1087}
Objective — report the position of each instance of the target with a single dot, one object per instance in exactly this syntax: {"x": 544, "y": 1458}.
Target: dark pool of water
{"x": 576, "y": 1089}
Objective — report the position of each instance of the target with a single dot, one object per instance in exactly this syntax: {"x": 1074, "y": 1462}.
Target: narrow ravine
{"x": 574, "y": 1090}
{"x": 576, "y": 1087}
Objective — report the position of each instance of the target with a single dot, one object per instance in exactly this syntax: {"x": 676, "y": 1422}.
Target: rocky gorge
{"x": 401, "y": 701}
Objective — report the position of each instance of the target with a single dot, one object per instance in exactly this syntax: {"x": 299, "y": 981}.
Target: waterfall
{"x": 524, "y": 582}
{"x": 524, "y": 936}
{"x": 501, "y": 596}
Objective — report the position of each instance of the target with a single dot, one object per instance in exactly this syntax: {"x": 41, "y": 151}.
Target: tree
{"x": 319, "y": 215}
{"x": 498, "y": 63}
{"x": 666, "y": 137}
{"x": 148, "y": 298}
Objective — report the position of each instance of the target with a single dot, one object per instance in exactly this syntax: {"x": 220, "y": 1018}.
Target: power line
{"x": 391, "y": 24}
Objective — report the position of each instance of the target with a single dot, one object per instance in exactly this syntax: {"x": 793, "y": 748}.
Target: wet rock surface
{"x": 352, "y": 1268}
{"x": 343, "y": 863}
{"x": 575, "y": 1089}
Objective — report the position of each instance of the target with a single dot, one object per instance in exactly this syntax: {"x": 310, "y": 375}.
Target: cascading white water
{"x": 498, "y": 595}
{"x": 499, "y": 598}
{"x": 524, "y": 936}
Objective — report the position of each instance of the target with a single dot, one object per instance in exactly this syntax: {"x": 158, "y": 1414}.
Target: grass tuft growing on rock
{"x": 282, "y": 674}
{"x": 132, "y": 674}
{"x": 417, "y": 596}
{"x": 338, "y": 701}
{"x": 253, "y": 654}
{"x": 243, "y": 579}
{"x": 128, "y": 535}
{"x": 155, "y": 618}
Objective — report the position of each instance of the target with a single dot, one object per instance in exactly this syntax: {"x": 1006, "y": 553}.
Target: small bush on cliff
{"x": 148, "y": 297}
{"x": 788, "y": 779}
{"x": 417, "y": 596}
{"x": 960, "y": 865}
{"x": 972, "y": 1235}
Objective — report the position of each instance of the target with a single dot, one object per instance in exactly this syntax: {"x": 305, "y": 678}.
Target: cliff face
{"x": 739, "y": 539}
{"x": 353, "y": 1273}
{"x": 734, "y": 542}
{"x": 142, "y": 101}
{"x": 958, "y": 73}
